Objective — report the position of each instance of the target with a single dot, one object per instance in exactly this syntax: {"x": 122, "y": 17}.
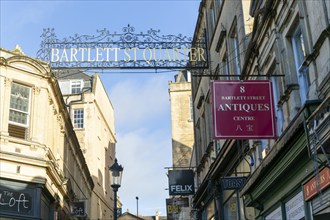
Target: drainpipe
{"x": 74, "y": 101}
{"x": 81, "y": 96}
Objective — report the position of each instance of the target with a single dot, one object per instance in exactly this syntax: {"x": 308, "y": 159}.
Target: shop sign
{"x": 78, "y": 209}
{"x": 181, "y": 182}
{"x": 233, "y": 182}
{"x": 176, "y": 207}
{"x": 119, "y": 211}
{"x": 317, "y": 183}
{"x": 243, "y": 109}
{"x": 19, "y": 202}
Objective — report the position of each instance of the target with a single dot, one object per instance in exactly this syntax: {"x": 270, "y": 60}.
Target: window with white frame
{"x": 19, "y": 110}
{"x": 299, "y": 56}
{"x": 76, "y": 86}
{"x": 78, "y": 118}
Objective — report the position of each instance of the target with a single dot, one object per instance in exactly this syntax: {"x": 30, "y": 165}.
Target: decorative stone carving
{"x": 36, "y": 90}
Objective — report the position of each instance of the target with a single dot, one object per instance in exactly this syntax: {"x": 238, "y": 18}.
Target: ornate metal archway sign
{"x": 127, "y": 50}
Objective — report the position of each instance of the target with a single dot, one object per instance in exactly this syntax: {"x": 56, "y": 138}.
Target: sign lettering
{"x": 243, "y": 109}
{"x": 19, "y": 202}
{"x": 181, "y": 182}
{"x": 319, "y": 182}
{"x": 127, "y": 50}
{"x": 78, "y": 208}
{"x": 233, "y": 182}
{"x": 175, "y": 208}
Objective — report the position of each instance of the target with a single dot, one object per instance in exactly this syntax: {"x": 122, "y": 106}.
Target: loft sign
{"x": 78, "y": 208}
{"x": 243, "y": 109}
{"x": 14, "y": 201}
{"x": 126, "y": 50}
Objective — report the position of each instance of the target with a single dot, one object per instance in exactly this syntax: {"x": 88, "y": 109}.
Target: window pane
{"x": 75, "y": 87}
{"x": 18, "y": 117}
{"x": 19, "y": 104}
{"x": 78, "y": 118}
{"x": 19, "y": 98}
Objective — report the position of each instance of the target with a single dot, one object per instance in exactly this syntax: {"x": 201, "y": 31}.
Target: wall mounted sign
{"x": 181, "y": 182}
{"x": 243, "y": 109}
{"x": 317, "y": 183}
{"x": 233, "y": 182}
{"x": 127, "y": 50}
{"x": 14, "y": 201}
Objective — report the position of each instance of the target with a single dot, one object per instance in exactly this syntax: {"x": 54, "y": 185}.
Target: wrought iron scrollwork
{"x": 128, "y": 40}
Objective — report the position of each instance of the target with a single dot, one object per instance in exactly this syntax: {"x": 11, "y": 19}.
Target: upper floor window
{"x": 218, "y": 5}
{"x": 225, "y": 66}
{"x": 76, "y": 86}
{"x": 19, "y": 110}
{"x": 78, "y": 118}
{"x": 278, "y": 108}
{"x": 211, "y": 20}
{"x": 235, "y": 53}
{"x": 299, "y": 57}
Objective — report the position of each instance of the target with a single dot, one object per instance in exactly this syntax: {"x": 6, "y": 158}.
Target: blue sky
{"x": 141, "y": 101}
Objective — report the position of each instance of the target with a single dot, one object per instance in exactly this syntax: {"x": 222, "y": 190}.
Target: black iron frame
{"x": 127, "y": 39}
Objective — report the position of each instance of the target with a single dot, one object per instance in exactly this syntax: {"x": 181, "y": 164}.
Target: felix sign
{"x": 243, "y": 109}
{"x": 181, "y": 182}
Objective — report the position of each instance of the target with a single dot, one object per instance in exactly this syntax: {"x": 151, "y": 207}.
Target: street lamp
{"x": 116, "y": 174}
{"x": 137, "y": 207}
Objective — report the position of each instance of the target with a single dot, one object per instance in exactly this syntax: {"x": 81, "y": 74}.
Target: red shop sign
{"x": 318, "y": 182}
{"x": 243, "y": 109}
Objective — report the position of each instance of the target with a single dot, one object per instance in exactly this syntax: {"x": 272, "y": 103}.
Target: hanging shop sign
{"x": 126, "y": 50}
{"x": 243, "y": 109}
{"x": 181, "y": 182}
{"x": 317, "y": 183}
{"x": 233, "y": 182}
{"x": 176, "y": 208}
{"x": 78, "y": 208}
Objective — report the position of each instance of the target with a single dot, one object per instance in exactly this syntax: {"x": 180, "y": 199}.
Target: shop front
{"x": 293, "y": 180}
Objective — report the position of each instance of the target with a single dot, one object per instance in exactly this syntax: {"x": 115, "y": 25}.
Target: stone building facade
{"x": 92, "y": 116}
{"x": 291, "y": 39}
{"x": 181, "y": 119}
{"x": 44, "y": 174}
{"x": 182, "y": 138}
{"x": 226, "y": 25}
{"x": 287, "y": 43}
